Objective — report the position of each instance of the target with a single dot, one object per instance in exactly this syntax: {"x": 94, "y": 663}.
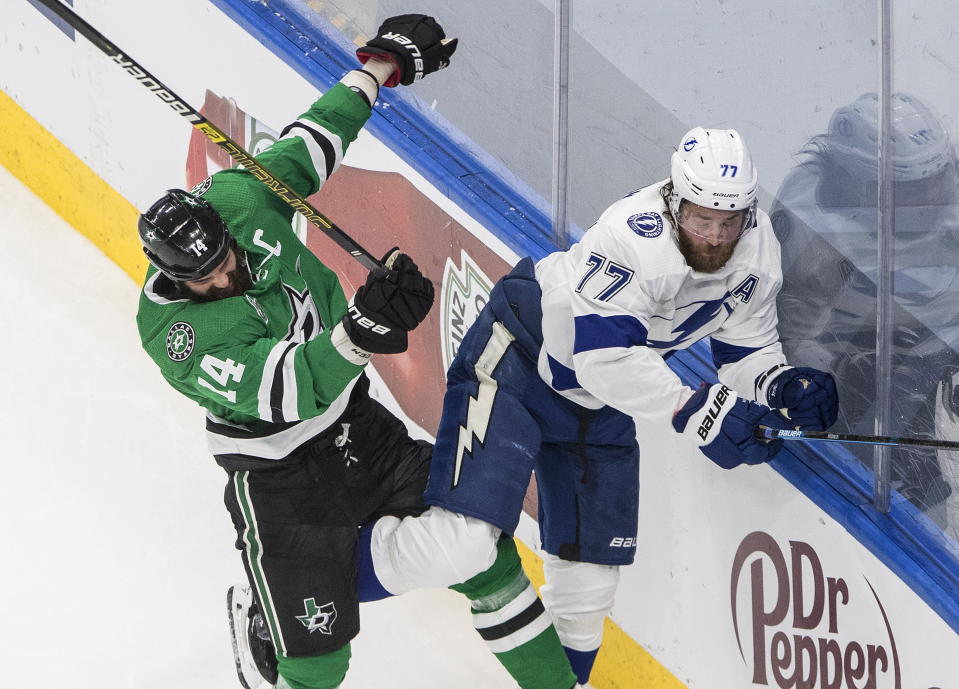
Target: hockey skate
{"x": 253, "y": 651}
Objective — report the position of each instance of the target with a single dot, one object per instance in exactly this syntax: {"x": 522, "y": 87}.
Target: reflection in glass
{"x": 825, "y": 217}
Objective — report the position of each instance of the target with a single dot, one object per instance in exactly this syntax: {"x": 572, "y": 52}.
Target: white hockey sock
{"x": 579, "y": 595}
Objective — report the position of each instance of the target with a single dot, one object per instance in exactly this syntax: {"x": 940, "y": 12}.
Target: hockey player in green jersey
{"x": 243, "y": 319}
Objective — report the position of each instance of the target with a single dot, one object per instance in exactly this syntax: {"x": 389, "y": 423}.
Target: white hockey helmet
{"x": 920, "y": 145}
{"x": 712, "y": 168}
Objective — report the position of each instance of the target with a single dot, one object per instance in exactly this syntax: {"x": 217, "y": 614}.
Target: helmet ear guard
{"x": 712, "y": 168}
{"x": 183, "y": 236}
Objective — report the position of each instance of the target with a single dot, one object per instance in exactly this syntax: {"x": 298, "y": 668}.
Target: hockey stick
{"x": 213, "y": 133}
{"x": 767, "y": 433}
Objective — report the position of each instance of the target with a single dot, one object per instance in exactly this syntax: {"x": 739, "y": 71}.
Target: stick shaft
{"x": 213, "y": 133}
{"x": 767, "y": 433}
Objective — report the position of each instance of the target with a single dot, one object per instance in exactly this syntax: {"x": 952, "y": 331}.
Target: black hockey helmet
{"x": 183, "y": 236}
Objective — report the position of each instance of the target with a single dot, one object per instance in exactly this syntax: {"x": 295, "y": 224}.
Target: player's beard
{"x": 705, "y": 258}
{"x": 240, "y": 282}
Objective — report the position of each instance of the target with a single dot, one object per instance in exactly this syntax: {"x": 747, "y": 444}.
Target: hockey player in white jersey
{"x": 570, "y": 350}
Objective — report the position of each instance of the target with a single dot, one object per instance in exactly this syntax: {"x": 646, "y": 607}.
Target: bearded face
{"x": 229, "y": 279}
{"x": 708, "y": 237}
{"x": 702, "y": 256}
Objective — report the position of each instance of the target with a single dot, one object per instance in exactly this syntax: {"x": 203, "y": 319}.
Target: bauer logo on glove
{"x": 725, "y": 427}
{"x": 709, "y": 420}
{"x": 394, "y": 300}
{"x": 365, "y": 322}
{"x": 416, "y": 45}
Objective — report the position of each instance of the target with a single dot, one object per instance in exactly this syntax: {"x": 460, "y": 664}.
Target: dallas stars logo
{"x": 179, "y": 341}
{"x": 318, "y": 618}
{"x": 305, "y": 323}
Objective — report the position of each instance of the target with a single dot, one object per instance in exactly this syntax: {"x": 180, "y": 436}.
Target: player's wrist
{"x": 684, "y": 396}
{"x": 380, "y": 68}
{"x": 346, "y": 348}
{"x": 766, "y": 391}
{"x": 364, "y": 83}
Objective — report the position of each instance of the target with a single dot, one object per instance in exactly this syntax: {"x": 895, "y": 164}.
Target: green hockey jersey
{"x": 263, "y": 364}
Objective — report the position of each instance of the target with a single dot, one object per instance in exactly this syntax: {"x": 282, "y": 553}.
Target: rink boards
{"x": 743, "y": 578}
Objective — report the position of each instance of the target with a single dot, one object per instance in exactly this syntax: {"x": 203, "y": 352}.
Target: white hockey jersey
{"x": 623, "y": 298}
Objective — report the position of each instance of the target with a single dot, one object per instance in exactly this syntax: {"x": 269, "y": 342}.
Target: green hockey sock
{"x": 510, "y": 617}
{"x": 313, "y": 672}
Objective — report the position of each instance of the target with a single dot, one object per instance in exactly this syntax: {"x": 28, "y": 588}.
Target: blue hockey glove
{"x": 723, "y": 427}
{"x": 805, "y": 397}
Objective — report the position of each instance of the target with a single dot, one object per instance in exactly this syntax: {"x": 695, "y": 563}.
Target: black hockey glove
{"x": 415, "y": 45}
{"x": 413, "y": 295}
{"x": 394, "y": 300}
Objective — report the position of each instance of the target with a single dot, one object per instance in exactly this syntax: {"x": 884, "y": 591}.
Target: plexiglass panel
{"x": 643, "y": 74}
{"x": 925, "y": 255}
{"x": 779, "y": 77}
{"x": 499, "y": 92}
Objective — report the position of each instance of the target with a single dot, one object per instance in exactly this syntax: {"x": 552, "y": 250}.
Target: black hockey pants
{"x": 297, "y": 522}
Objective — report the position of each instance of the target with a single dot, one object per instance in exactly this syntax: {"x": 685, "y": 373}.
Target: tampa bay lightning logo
{"x": 646, "y": 224}
{"x": 689, "y": 144}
